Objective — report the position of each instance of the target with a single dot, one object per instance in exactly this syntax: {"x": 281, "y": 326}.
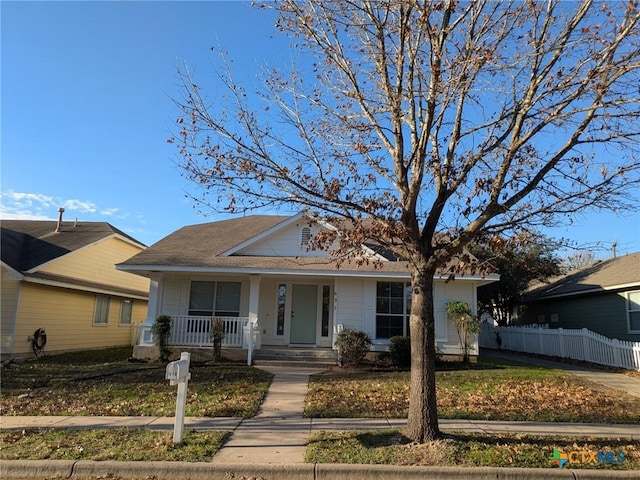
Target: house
{"x": 259, "y": 270}
{"x": 60, "y": 289}
{"x": 604, "y": 298}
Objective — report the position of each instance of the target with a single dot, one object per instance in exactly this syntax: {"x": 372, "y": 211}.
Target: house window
{"x": 220, "y": 299}
{"x": 633, "y": 309}
{"x": 101, "y": 313}
{"x": 393, "y": 307}
{"x": 282, "y": 296}
{"x": 126, "y": 308}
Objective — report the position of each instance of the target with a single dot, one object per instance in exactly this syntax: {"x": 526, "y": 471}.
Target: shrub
{"x": 160, "y": 330}
{"x": 353, "y": 346}
{"x": 400, "y": 351}
{"x": 466, "y": 323}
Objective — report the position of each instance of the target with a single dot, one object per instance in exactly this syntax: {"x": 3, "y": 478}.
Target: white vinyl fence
{"x": 580, "y": 344}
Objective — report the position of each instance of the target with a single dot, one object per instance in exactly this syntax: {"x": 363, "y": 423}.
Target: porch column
{"x": 254, "y": 300}
{"x": 254, "y": 297}
{"x": 152, "y": 310}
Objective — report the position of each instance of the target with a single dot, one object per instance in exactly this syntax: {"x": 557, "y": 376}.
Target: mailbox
{"x": 178, "y": 372}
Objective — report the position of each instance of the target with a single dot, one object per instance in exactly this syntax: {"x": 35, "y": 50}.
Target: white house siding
{"x": 268, "y": 312}
{"x": 284, "y": 243}
{"x": 174, "y": 297}
{"x": 349, "y": 303}
{"x": 355, "y": 308}
{"x": 439, "y": 300}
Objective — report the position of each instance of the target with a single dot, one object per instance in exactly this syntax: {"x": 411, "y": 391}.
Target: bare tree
{"x": 411, "y": 118}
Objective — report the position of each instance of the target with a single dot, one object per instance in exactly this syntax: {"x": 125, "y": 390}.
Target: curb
{"x": 29, "y": 469}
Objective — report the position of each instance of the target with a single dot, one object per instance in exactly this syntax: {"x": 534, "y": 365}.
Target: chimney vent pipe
{"x": 60, "y": 212}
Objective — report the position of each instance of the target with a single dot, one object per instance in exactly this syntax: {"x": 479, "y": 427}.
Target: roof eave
{"x": 148, "y": 270}
{"x": 577, "y": 293}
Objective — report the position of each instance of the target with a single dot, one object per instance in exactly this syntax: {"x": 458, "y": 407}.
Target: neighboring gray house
{"x": 259, "y": 270}
{"x": 604, "y": 298}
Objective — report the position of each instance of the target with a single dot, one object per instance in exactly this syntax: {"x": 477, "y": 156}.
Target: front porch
{"x": 191, "y": 332}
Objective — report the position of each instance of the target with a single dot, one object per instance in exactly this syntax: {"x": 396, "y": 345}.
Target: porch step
{"x": 296, "y": 357}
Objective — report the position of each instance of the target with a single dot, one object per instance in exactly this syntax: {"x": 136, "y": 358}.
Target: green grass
{"x": 391, "y": 447}
{"x": 116, "y": 444}
{"x": 487, "y": 391}
{"x": 104, "y": 383}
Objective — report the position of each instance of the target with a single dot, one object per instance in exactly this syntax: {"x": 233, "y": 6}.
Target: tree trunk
{"x": 423, "y": 411}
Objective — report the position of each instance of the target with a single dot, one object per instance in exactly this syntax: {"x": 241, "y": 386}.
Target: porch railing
{"x": 195, "y": 331}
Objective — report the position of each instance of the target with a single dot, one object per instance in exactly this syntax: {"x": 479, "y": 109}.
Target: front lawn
{"x": 487, "y": 391}
{"x": 104, "y": 383}
{"x": 113, "y": 444}
{"x": 390, "y": 447}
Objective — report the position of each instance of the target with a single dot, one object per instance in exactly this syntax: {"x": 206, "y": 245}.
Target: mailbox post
{"x": 178, "y": 374}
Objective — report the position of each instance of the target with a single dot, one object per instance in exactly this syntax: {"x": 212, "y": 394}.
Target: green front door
{"x": 304, "y": 314}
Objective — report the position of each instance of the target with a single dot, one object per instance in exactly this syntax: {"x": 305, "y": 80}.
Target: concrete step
{"x": 294, "y": 364}
{"x": 296, "y": 357}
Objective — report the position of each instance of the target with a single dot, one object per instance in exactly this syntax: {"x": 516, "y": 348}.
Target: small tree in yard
{"x": 427, "y": 126}
{"x": 466, "y": 324}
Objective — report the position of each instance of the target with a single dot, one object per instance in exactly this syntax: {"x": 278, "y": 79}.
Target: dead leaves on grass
{"x": 556, "y": 398}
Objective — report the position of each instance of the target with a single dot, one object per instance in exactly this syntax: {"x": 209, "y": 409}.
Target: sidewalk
{"x": 273, "y": 435}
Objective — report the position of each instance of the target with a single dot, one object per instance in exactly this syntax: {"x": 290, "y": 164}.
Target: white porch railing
{"x": 580, "y": 344}
{"x": 195, "y": 331}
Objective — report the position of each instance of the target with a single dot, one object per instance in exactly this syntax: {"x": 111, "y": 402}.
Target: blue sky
{"x": 87, "y": 109}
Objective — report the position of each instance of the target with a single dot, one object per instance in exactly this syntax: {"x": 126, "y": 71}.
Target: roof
{"x": 201, "y": 245}
{"x": 608, "y": 275}
{"x": 207, "y": 247}
{"x": 26, "y": 244}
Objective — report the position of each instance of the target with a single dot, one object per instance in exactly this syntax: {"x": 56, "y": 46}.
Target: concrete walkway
{"x": 279, "y": 433}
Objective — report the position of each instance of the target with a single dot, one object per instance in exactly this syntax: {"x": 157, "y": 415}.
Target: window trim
{"x": 215, "y": 299}
{"x": 101, "y": 310}
{"x": 406, "y": 309}
{"x": 628, "y": 309}
{"x": 122, "y": 310}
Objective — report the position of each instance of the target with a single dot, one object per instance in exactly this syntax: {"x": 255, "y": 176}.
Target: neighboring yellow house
{"x": 60, "y": 290}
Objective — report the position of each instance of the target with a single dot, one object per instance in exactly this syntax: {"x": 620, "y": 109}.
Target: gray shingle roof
{"x": 25, "y": 244}
{"x": 201, "y": 246}
{"x": 601, "y": 276}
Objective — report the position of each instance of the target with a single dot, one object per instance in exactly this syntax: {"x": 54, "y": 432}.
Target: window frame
{"x": 123, "y": 302}
{"x": 630, "y": 310}
{"x": 101, "y": 310}
{"x": 213, "y": 311}
{"x": 406, "y": 308}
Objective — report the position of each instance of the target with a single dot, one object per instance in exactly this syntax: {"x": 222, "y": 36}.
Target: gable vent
{"x": 305, "y": 236}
